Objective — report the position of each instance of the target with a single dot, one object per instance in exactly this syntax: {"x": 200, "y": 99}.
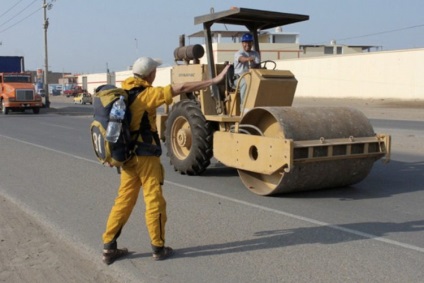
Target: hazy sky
{"x": 85, "y": 36}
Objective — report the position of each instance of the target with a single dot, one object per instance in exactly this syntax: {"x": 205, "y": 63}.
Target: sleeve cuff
{"x": 168, "y": 94}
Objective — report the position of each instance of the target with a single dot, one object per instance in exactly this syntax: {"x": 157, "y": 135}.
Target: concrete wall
{"x": 93, "y": 81}
{"x": 163, "y": 77}
{"x": 388, "y": 74}
{"x": 378, "y": 75}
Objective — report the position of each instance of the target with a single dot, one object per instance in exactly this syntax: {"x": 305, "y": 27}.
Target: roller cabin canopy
{"x": 254, "y": 20}
{"x": 250, "y": 18}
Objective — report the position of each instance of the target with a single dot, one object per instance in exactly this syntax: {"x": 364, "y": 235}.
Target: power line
{"x": 3, "y": 30}
{"x": 382, "y": 32}
{"x": 14, "y": 16}
{"x": 10, "y": 8}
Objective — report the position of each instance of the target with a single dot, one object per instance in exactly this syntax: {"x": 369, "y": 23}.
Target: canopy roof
{"x": 251, "y": 18}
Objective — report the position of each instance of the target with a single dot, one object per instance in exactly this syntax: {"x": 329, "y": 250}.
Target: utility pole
{"x": 46, "y": 60}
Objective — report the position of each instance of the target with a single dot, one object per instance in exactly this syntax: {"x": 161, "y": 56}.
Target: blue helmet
{"x": 246, "y": 37}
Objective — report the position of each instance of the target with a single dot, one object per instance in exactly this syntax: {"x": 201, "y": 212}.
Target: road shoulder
{"x": 30, "y": 253}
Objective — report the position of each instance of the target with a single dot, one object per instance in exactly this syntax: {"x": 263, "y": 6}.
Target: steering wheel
{"x": 264, "y": 63}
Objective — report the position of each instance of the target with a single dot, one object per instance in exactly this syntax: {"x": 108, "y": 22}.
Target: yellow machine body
{"x": 275, "y": 147}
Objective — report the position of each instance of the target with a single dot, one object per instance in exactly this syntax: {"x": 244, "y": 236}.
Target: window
{"x": 17, "y": 78}
{"x": 330, "y": 50}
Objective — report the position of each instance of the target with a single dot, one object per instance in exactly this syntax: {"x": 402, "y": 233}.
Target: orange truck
{"x": 17, "y": 91}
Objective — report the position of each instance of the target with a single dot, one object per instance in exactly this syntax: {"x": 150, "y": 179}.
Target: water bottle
{"x": 116, "y": 116}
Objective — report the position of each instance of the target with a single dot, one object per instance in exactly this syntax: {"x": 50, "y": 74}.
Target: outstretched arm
{"x": 194, "y": 86}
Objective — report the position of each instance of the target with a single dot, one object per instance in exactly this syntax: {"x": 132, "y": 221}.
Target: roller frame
{"x": 382, "y": 140}
{"x": 238, "y": 152}
{"x": 279, "y": 152}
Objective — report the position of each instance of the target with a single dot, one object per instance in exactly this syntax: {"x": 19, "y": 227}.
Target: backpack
{"x": 112, "y": 154}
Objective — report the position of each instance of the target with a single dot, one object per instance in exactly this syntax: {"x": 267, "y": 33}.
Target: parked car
{"x": 56, "y": 92}
{"x": 83, "y": 98}
{"x": 74, "y": 91}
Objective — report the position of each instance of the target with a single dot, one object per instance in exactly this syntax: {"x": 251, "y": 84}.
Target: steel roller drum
{"x": 309, "y": 123}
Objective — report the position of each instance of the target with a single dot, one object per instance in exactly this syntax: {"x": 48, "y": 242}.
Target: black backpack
{"x": 112, "y": 154}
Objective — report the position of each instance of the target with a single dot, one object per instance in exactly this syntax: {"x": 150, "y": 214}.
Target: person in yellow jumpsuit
{"x": 145, "y": 170}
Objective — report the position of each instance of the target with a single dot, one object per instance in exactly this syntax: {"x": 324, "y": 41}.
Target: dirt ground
{"x": 30, "y": 253}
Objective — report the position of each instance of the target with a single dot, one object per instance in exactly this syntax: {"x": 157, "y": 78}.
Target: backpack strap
{"x": 144, "y": 130}
{"x": 132, "y": 95}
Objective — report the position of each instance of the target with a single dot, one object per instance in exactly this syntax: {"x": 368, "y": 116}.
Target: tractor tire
{"x": 188, "y": 138}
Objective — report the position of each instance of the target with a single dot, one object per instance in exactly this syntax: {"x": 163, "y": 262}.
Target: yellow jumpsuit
{"x": 144, "y": 171}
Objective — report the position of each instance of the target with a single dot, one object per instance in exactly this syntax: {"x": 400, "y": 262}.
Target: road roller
{"x": 275, "y": 147}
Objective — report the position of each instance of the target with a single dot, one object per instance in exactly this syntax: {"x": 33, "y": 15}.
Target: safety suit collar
{"x": 133, "y": 82}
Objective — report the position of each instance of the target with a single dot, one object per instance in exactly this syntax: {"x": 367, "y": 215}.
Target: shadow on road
{"x": 80, "y": 110}
{"x": 77, "y": 110}
{"x": 385, "y": 180}
{"x": 272, "y": 239}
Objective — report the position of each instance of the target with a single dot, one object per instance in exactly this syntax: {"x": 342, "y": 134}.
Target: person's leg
{"x": 124, "y": 203}
{"x": 242, "y": 92}
{"x": 156, "y": 217}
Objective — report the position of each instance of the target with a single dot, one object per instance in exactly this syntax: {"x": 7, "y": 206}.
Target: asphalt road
{"x": 370, "y": 232}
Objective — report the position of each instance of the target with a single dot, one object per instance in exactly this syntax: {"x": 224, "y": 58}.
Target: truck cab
{"x": 17, "y": 93}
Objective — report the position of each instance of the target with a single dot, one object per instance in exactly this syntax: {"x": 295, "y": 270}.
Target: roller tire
{"x": 188, "y": 138}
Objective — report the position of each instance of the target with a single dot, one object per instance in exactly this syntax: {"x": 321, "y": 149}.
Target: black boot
{"x": 161, "y": 253}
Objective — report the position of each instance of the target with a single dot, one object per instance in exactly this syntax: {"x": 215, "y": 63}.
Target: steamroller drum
{"x": 309, "y": 123}
{"x": 188, "y": 138}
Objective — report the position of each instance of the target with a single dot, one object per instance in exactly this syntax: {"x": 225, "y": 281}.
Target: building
{"x": 311, "y": 50}
{"x": 52, "y": 78}
{"x": 275, "y": 45}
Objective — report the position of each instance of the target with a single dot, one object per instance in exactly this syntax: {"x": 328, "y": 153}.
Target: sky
{"x": 89, "y": 36}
